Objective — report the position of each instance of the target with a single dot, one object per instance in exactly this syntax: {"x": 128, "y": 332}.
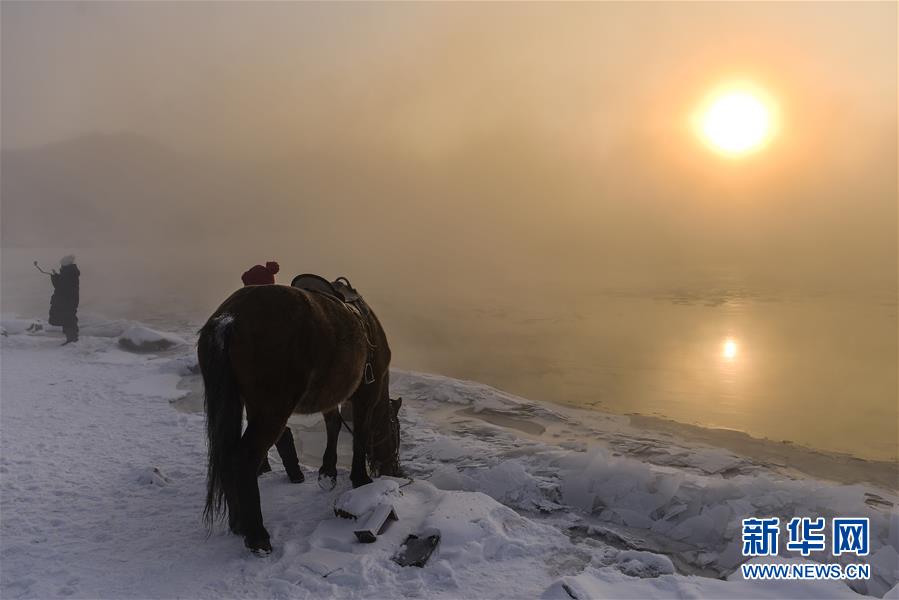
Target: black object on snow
{"x": 416, "y": 551}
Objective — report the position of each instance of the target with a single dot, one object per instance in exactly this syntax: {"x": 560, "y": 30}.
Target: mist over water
{"x": 514, "y": 189}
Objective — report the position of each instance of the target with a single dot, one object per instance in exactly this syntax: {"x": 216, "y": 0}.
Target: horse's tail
{"x": 224, "y": 412}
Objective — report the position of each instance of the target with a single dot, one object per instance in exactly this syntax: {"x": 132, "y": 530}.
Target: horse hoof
{"x": 296, "y": 478}
{"x": 261, "y": 547}
{"x": 327, "y": 482}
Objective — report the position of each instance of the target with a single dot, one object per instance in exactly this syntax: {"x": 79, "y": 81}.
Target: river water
{"x": 819, "y": 370}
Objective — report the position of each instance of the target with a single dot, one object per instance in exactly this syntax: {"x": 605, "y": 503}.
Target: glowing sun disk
{"x": 736, "y": 122}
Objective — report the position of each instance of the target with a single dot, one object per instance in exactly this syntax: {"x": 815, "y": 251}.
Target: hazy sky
{"x": 430, "y": 75}
{"x": 517, "y": 188}
{"x": 497, "y": 137}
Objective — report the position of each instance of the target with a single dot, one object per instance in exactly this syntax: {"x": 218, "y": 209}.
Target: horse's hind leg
{"x": 258, "y": 437}
{"x": 327, "y": 474}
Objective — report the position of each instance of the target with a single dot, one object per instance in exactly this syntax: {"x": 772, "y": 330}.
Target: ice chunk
{"x": 633, "y": 518}
{"x": 448, "y": 477}
{"x": 444, "y": 448}
{"x": 20, "y": 326}
{"x": 884, "y": 570}
{"x": 183, "y": 365}
{"x": 152, "y": 476}
{"x": 356, "y": 503}
{"x": 509, "y": 483}
{"x": 144, "y": 339}
{"x": 643, "y": 564}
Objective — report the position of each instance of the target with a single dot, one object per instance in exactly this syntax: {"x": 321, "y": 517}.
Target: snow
{"x": 893, "y": 594}
{"x": 90, "y": 325}
{"x": 14, "y": 326}
{"x": 158, "y": 385}
{"x": 102, "y": 474}
{"x": 605, "y": 583}
{"x": 143, "y": 339}
{"x": 221, "y": 326}
{"x": 358, "y": 502}
{"x": 102, "y": 328}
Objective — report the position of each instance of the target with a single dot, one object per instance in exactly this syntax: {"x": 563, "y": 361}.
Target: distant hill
{"x": 99, "y": 190}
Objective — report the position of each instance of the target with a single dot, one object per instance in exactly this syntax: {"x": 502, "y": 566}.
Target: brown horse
{"x": 274, "y": 350}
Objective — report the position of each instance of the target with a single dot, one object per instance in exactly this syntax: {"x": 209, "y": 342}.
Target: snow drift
{"x": 102, "y": 492}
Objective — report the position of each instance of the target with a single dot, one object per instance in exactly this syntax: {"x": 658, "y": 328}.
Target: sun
{"x": 736, "y": 121}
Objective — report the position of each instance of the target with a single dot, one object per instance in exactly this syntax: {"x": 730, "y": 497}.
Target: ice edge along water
{"x": 102, "y": 491}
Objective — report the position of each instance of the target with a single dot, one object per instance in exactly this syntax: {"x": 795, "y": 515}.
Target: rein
{"x": 368, "y": 375}
{"x": 344, "y": 423}
{"x": 368, "y": 418}
{"x": 388, "y": 430}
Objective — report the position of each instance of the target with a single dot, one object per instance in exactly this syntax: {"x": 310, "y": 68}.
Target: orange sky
{"x": 558, "y": 132}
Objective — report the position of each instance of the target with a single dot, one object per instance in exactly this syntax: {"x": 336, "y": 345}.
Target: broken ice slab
{"x": 376, "y": 523}
{"x": 356, "y": 503}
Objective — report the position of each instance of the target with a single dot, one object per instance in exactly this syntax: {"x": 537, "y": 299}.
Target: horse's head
{"x": 384, "y": 454}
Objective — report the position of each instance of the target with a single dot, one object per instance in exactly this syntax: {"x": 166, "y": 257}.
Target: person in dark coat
{"x": 265, "y": 275}
{"x": 64, "y": 301}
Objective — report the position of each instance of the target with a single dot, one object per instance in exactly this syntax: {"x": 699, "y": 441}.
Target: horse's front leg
{"x": 287, "y": 450}
{"x": 327, "y": 474}
{"x": 362, "y": 400}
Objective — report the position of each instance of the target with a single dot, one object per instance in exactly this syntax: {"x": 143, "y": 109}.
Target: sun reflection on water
{"x": 729, "y": 349}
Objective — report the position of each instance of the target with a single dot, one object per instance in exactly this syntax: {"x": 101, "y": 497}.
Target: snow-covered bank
{"x": 103, "y": 485}
{"x": 598, "y": 477}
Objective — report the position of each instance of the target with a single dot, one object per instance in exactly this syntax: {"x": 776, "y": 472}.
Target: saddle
{"x": 341, "y": 290}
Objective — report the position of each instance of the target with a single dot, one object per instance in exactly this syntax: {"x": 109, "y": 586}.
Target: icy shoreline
{"x": 531, "y": 501}
{"x": 784, "y": 457}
